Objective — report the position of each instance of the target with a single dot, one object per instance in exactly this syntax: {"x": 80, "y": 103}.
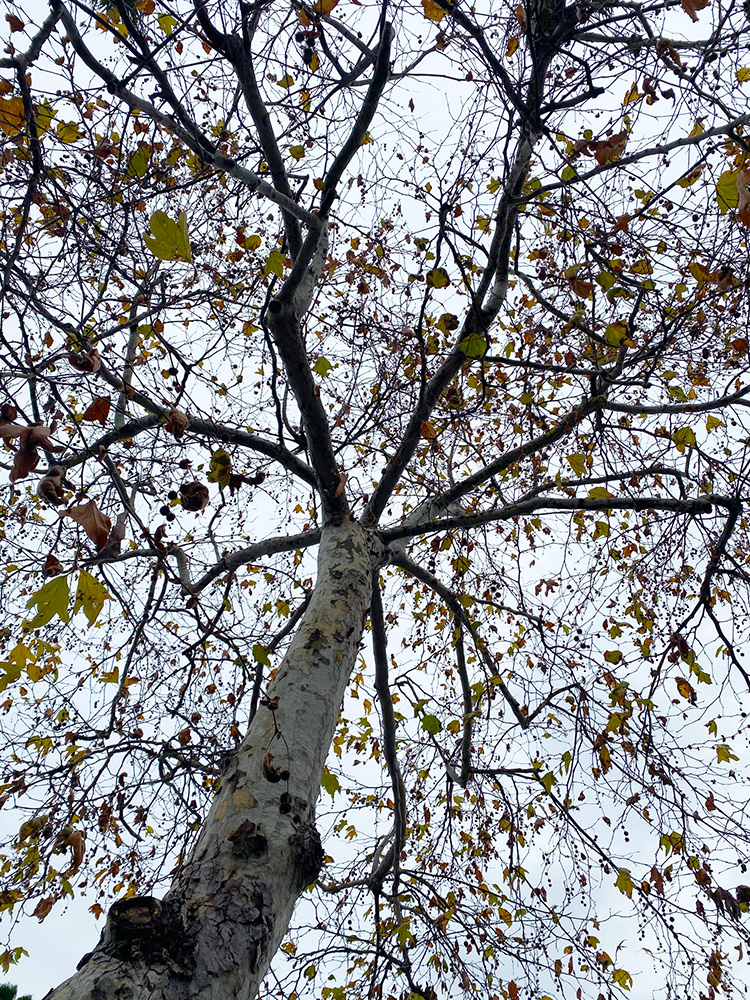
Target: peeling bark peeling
{"x": 214, "y": 934}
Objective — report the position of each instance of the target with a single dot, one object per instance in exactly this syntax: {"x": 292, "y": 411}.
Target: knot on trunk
{"x": 308, "y": 852}
{"x": 144, "y": 930}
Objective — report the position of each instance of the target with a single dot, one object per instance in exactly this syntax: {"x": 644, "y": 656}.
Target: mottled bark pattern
{"x": 214, "y": 934}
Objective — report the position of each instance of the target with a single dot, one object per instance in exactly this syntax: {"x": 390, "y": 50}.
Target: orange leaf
{"x": 427, "y": 430}
{"x": 98, "y": 411}
{"x": 691, "y": 6}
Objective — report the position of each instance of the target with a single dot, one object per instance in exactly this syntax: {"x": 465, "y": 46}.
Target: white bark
{"x": 214, "y": 934}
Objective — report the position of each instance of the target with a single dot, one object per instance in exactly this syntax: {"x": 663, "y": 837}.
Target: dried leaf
{"x": 194, "y": 496}
{"x": 84, "y": 362}
{"x": 96, "y": 524}
{"x": 178, "y": 423}
{"x": 98, "y": 411}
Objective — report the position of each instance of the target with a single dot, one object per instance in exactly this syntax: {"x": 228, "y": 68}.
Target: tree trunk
{"x": 217, "y": 929}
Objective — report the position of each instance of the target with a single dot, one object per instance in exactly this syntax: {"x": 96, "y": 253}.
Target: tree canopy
{"x": 391, "y": 355}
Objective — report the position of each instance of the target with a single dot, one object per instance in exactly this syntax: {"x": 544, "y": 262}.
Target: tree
{"x": 8, "y": 992}
{"x": 452, "y": 300}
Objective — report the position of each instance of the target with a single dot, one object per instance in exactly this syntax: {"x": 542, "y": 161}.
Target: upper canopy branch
{"x": 191, "y": 136}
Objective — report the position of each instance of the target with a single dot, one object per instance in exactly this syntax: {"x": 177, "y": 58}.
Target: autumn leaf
{"x": 51, "y": 600}
{"x": 96, "y": 524}
{"x": 432, "y": 10}
{"x": 691, "y": 6}
{"x": 686, "y": 689}
{"x": 608, "y": 149}
{"x": 625, "y": 883}
{"x": 98, "y": 411}
{"x": 427, "y": 430}
{"x": 438, "y": 278}
{"x": 16, "y": 24}
{"x": 11, "y": 115}
{"x": 169, "y": 239}
{"x": 90, "y": 597}
{"x": 274, "y": 264}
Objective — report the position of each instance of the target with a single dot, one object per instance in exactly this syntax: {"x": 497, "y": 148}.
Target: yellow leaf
{"x": 274, "y": 264}
{"x": 600, "y": 493}
{"x": 743, "y": 75}
{"x": 297, "y": 152}
{"x": 44, "y": 115}
{"x": 167, "y": 23}
{"x": 11, "y": 115}
{"x": 632, "y": 95}
{"x": 90, "y": 597}
{"x": 512, "y": 46}
{"x": 432, "y": 10}
{"x": 286, "y": 81}
{"x": 577, "y": 463}
{"x": 438, "y": 278}
{"x": 68, "y": 132}
{"x": 727, "y": 195}
{"x": 713, "y": 422}
{"x": 170, "y": 240}
{"x": 325, "y": 6}
{"x": 314, "y": 62}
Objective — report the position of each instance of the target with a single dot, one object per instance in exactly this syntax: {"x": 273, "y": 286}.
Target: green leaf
{"x": 51, "y": 600}
{"x": 170, "y": 240}
{"x": 260, "y": 654}
{"x": 90, "y": 597}
{"x": 330, "y": 783}
{"x": 548, "y": 780}
{"x": 625, "y": 883}
{"x": 431, "y": 724}
{"x": 474, "y": 346}
{"x": 613, "y": 655}
{"x": 322, "y": 366}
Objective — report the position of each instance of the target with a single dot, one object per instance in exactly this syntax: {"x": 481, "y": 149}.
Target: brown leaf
{"x": 84, "y": 362}
{"x": 607, "y": 149}
{"x": 43, "y": 907}
{"x": 178, "y": 423}
{"x": 582, "y": 289}
{"x": 159, "y": 538}
{"x": 96, "y": 525}
{"x": 117, "y": 533}
{"x": 8, "y": 412}
{"x": 184, "y": 736}
{"x": 16, "y": 24}
{"x": 194, "y": 496}
{"x": 50, "y": 489}
{"x": 98, "y": 411}
{"x": 77, "y": 844}
{"x": 52, "y": 566}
